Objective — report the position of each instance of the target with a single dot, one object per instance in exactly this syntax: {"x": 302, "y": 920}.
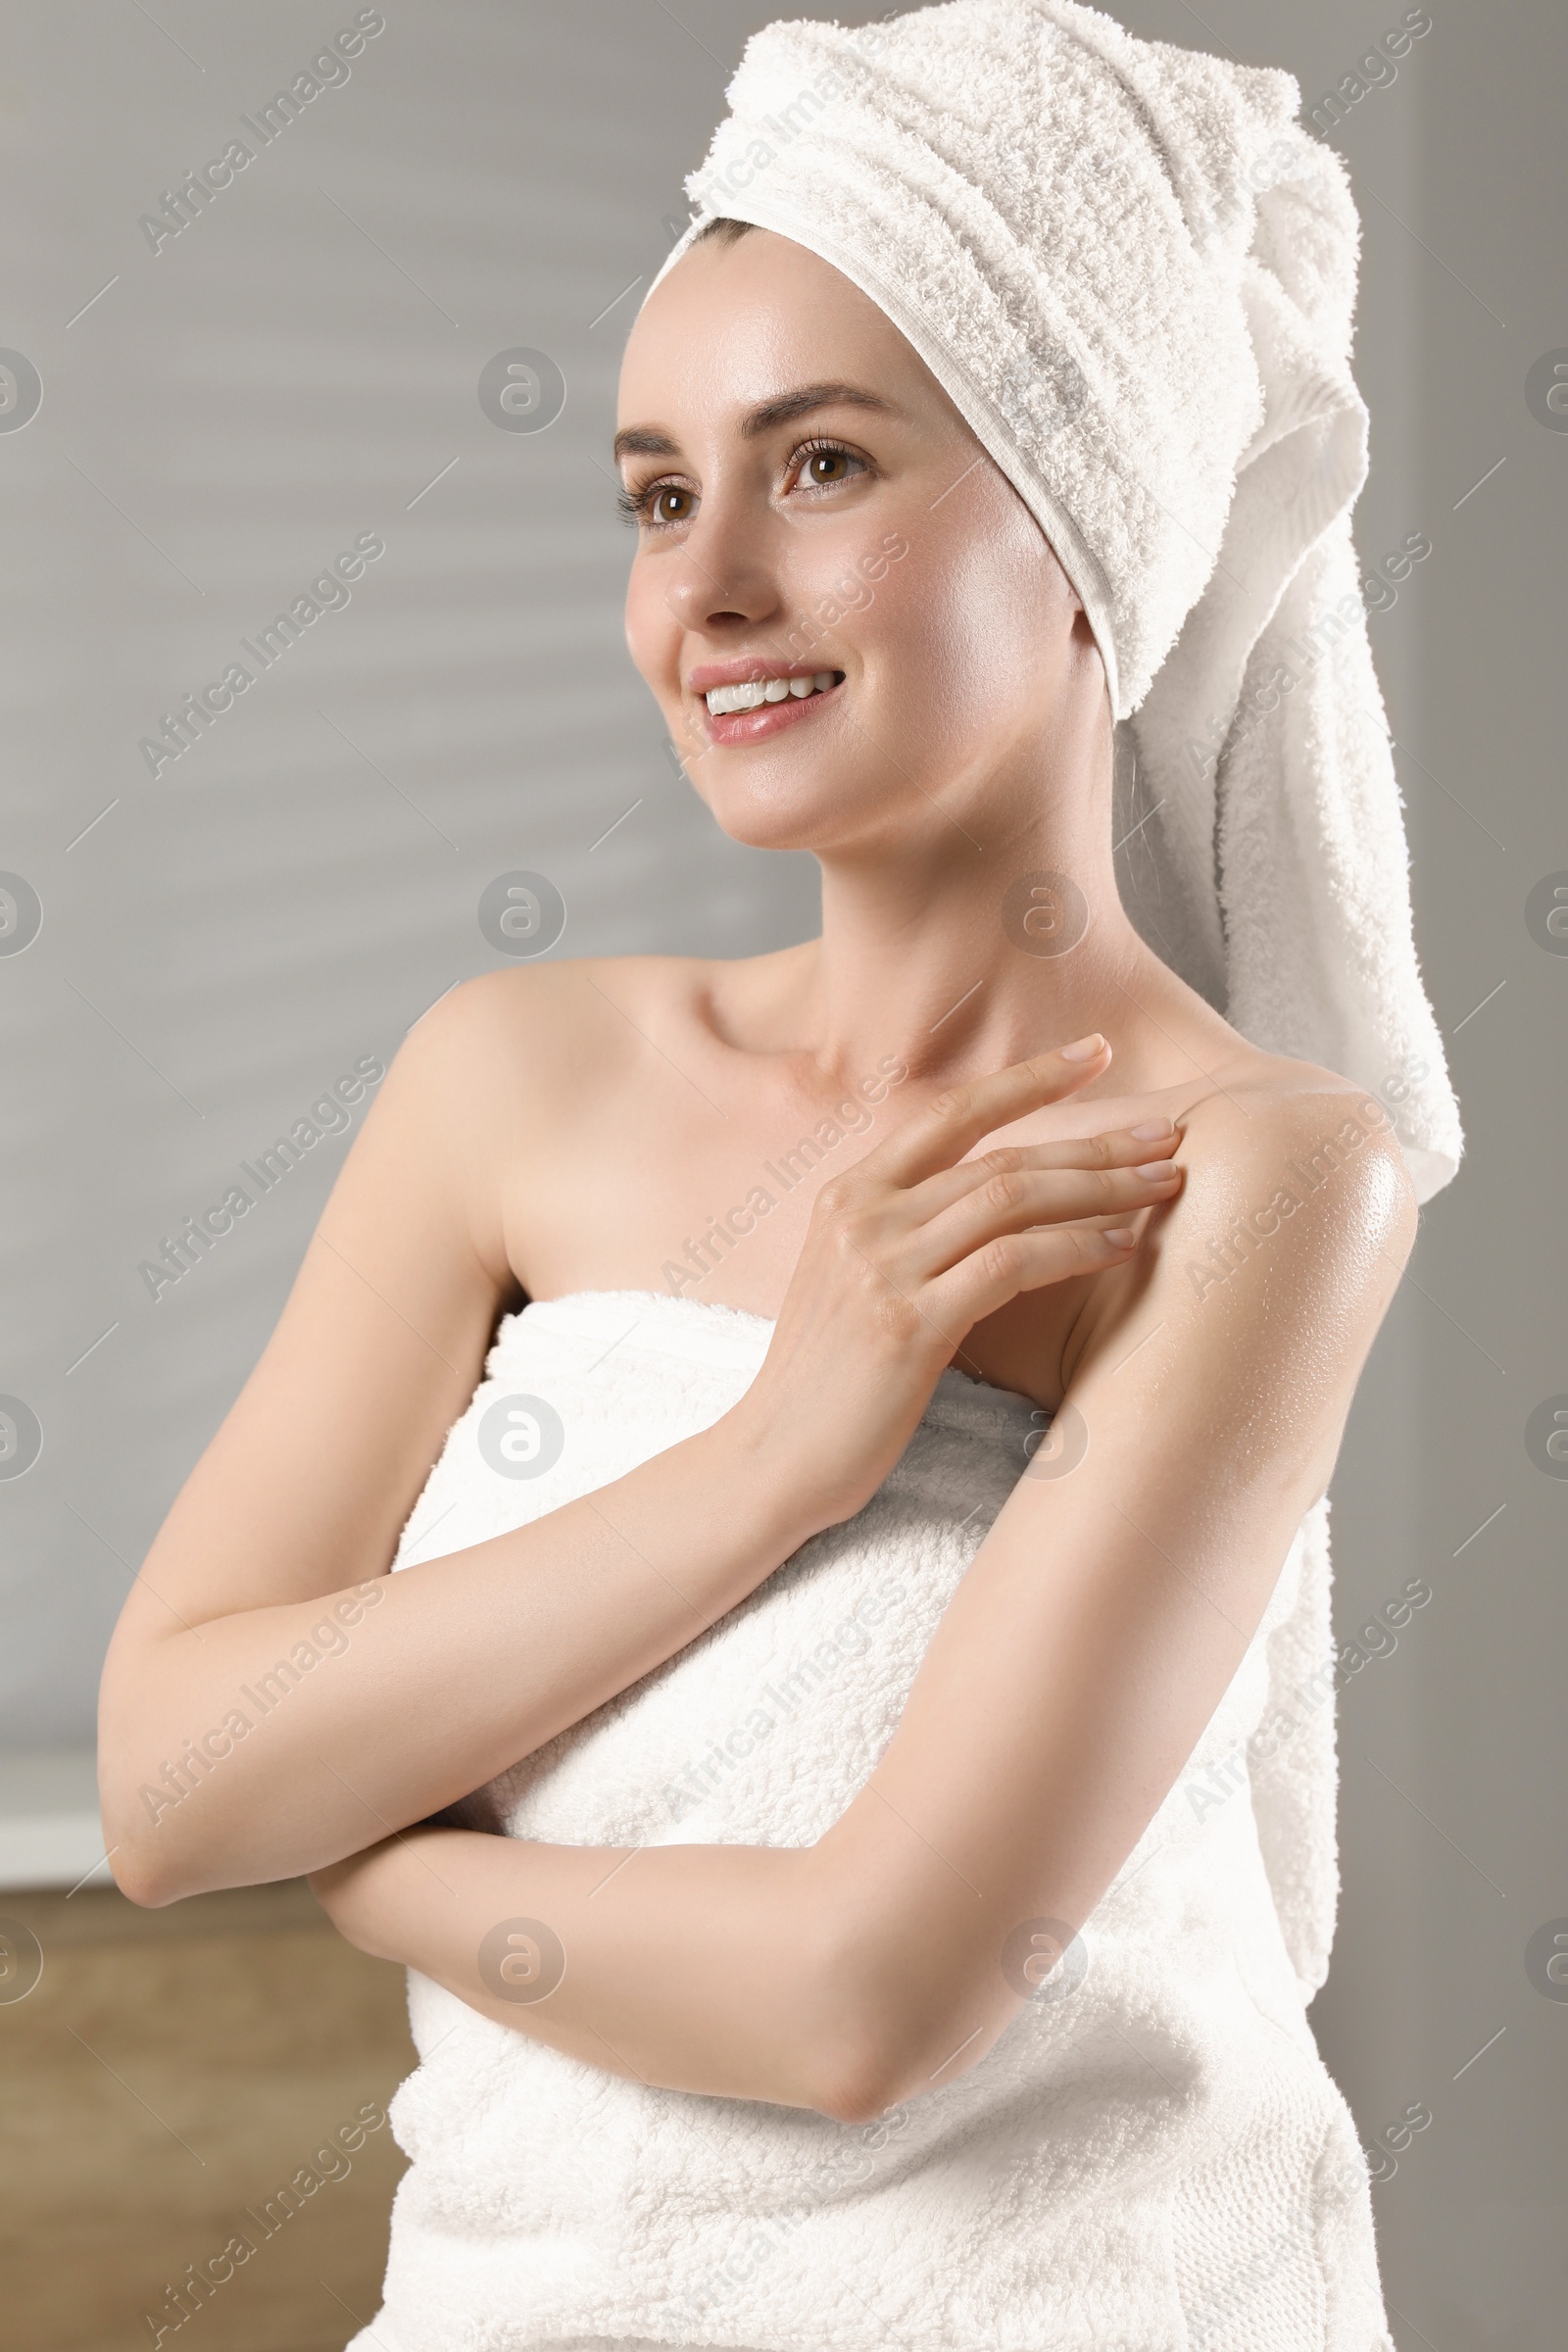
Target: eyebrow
{"x": 649, "y": 441}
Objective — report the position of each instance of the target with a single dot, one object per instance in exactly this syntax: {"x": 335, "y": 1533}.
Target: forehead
{"x": 733, "y": 323}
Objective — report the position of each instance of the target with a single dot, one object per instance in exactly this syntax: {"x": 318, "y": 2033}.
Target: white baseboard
{"x": 49, "y": 1828}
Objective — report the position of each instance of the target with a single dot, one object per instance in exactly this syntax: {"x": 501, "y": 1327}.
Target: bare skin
{"x": 1045, "y": 1223}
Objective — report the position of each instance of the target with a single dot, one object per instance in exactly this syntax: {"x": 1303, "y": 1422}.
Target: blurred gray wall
{"x": 219, "y": 941}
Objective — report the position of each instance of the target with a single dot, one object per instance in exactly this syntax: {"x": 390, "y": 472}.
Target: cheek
{"x": 963, "y": 629}
{"x": 652, "y": 637}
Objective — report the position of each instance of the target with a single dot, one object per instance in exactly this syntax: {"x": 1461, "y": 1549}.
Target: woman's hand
{"x": 911, "y": 1248}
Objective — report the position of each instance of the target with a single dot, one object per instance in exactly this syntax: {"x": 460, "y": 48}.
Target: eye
{"x": 824, "y": 465}
{"x": 657, "y": 506}
{"x": 668, "y": 503}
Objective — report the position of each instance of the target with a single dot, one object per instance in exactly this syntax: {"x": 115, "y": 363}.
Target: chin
{"x": 812, "y": 814}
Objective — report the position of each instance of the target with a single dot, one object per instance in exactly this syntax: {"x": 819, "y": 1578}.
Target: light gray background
{"x": 294, "y": 369}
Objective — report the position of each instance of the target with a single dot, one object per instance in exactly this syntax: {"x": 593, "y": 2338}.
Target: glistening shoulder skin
{"x": 1026, "y": 1213}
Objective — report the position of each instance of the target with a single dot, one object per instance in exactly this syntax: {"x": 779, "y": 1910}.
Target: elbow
{"x": 152, "y": 1877}
{"x": 148, "y": 1868}
{"x": 146, "y": 1874}
{"x": 141, "y": 1884}
{"x": 879, "y": 2062}
{"x": 151, "y": 1873}
{"x": 885, "y": 2034}
{"x": 857, "y": 2086}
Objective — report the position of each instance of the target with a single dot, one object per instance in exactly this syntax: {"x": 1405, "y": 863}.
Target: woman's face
{"x": 810, "y": 502}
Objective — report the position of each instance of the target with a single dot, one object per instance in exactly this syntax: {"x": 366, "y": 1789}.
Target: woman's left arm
{"x": 1072, "y": 1675}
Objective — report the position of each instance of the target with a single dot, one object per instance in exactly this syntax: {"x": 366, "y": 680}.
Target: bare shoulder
{"x": 547, "y": 1064}
{"x": 553, "y": 1003}
{"x": 1279, "y": 1141}
{"x": 558, "y": 1005}
{"x": 497, "y": 1066}
{"x": 553, "y": 1028}
{"x": 1268, "y": 1277}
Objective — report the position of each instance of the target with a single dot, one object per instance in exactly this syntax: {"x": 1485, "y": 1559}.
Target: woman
{"x": 906, "y": 1911}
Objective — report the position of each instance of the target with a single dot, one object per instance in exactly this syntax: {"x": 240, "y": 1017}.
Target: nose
{"x": 724, "y": 579}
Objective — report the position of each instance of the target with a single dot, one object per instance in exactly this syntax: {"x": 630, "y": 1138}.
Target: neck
{"x": 952, "y": 950}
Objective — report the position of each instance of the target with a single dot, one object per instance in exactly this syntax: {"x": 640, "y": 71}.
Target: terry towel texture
{"x": 1152, "y": 2159}
{"x": 1135, "y": 274}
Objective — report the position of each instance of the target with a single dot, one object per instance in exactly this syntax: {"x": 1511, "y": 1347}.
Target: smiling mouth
{"x": 751, "y": 695}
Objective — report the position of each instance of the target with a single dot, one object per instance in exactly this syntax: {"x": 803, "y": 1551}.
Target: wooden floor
{"x": 170, "y": 2070}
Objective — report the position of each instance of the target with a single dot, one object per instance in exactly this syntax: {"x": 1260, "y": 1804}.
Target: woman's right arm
{"x": 274, "y": 1701}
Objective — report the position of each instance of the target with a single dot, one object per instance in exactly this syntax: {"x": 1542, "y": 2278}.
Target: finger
{"x": 1119, "y": 1148}
{"x": 1016, "y": 1201}
{"x": 954, "y": 1121}
{"x": 985, "y": 1281}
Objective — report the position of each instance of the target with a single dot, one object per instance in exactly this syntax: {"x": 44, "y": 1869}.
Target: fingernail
{"x": 1085, "y": 1049}
{"x": 1150, "y": 1130}
{"x": 1156, "y": 1168}
{"x": 1120, "y": 1237}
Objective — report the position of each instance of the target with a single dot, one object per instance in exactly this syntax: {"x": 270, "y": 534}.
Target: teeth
{"x": 756, "y": 691}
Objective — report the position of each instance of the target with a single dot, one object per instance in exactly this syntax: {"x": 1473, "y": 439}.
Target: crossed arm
{"x": 1070, "y": 1680}
{"x": 269, "y": 1579}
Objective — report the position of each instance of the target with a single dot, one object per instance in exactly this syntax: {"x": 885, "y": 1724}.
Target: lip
{"x": 769, "y": 718}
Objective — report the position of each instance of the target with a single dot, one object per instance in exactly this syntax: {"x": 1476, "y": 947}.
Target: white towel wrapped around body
{"x": 1152, "y": 2158}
